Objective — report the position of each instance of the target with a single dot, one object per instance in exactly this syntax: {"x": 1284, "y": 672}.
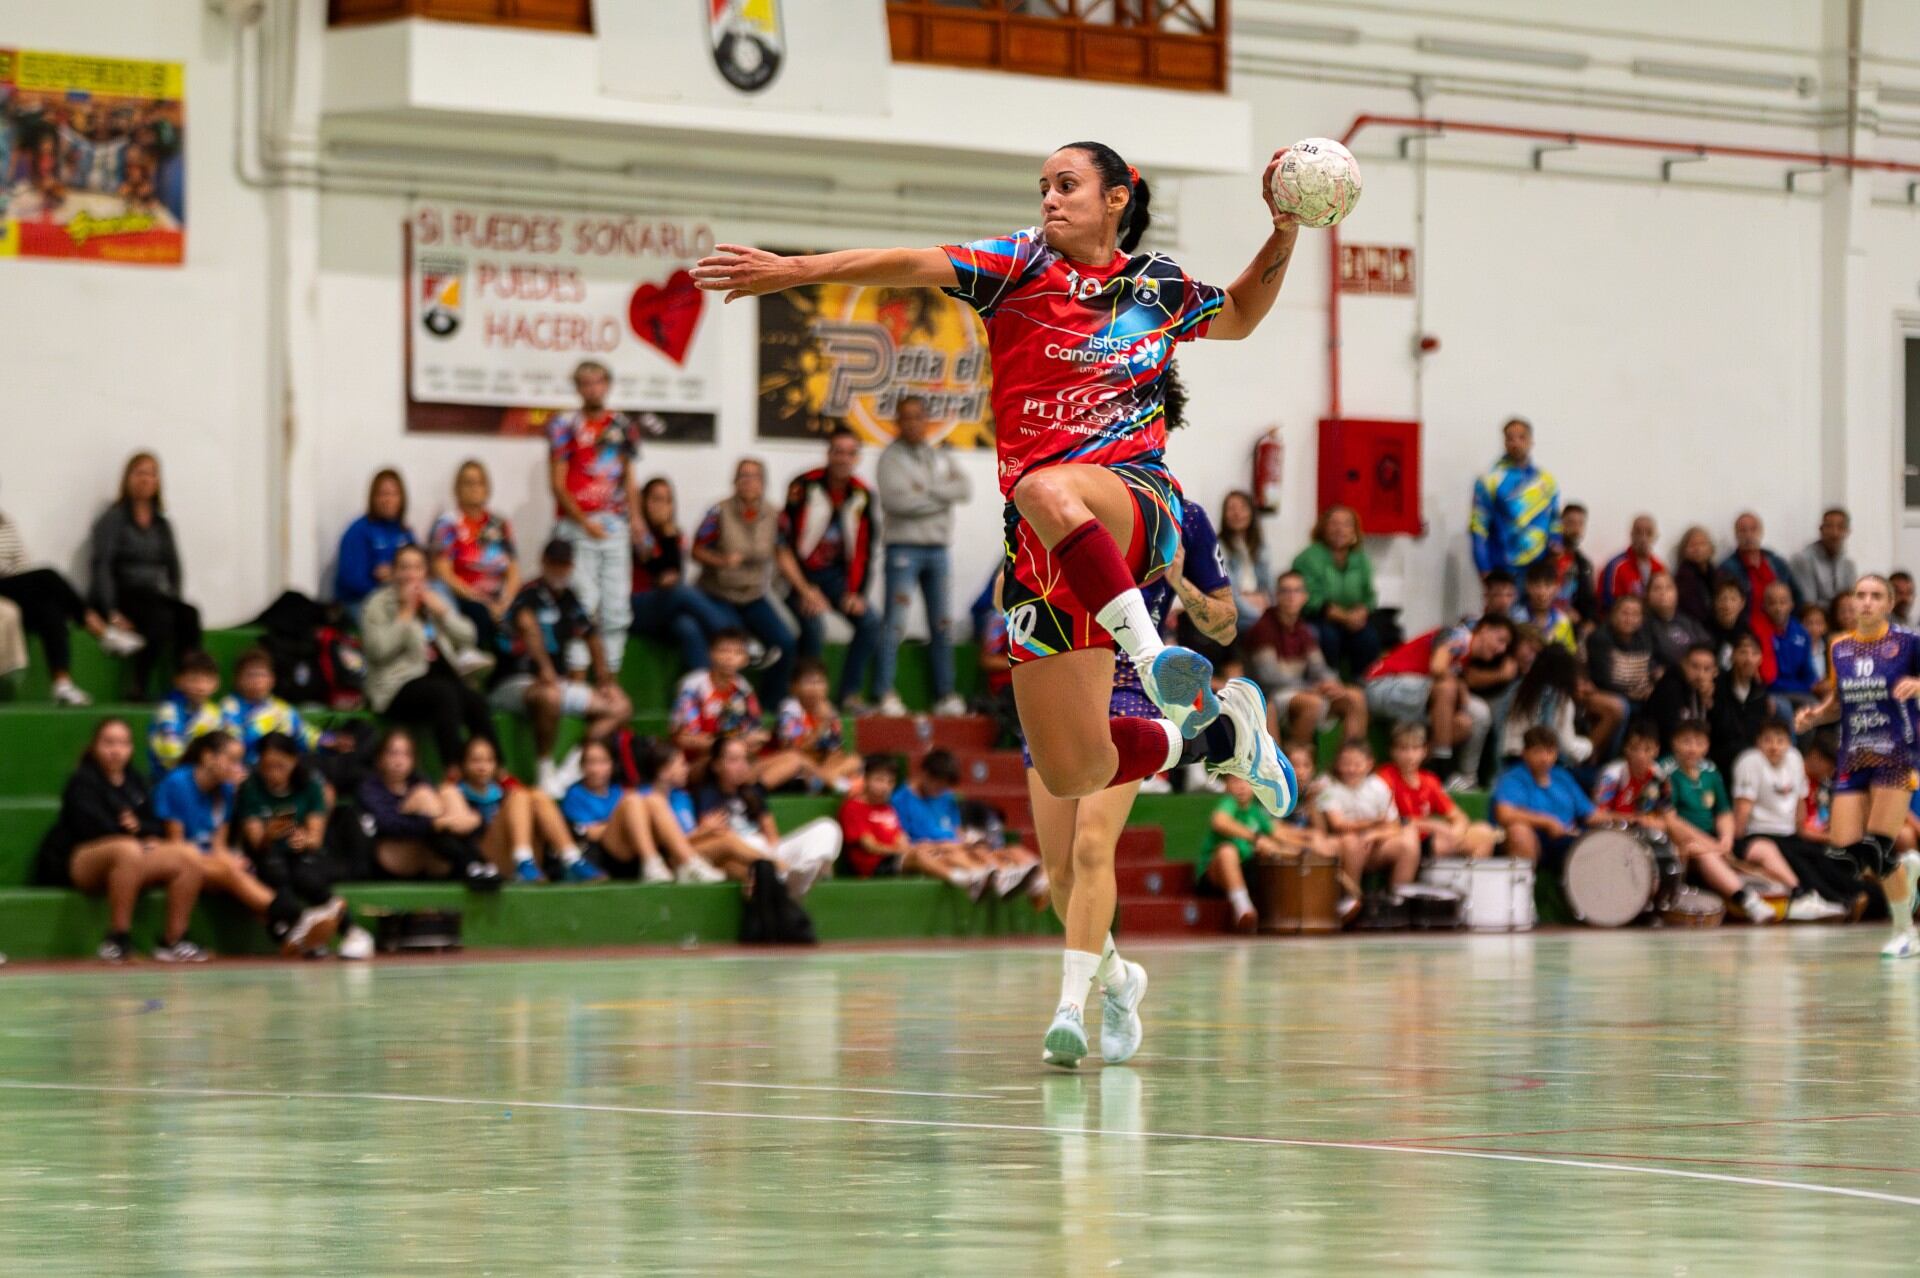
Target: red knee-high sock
{"x": 1095, "y": 570}
{"x": 1146, "y": 746}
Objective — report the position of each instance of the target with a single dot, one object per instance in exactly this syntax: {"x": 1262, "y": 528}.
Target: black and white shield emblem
{"x": 748, "y": 45}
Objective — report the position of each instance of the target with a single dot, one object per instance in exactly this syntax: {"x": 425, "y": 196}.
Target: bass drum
{"x": 1612, "y": 877}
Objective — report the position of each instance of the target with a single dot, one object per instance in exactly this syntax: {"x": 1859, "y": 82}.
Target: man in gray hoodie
{"x": 920, "y": 483}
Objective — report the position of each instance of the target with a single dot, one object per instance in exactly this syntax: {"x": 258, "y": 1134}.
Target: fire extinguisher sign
{"x": 1269, "y": 464}
{"x": 1376, "y": 270}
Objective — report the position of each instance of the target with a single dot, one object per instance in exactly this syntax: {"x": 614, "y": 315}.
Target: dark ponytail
{"x": 1114, "y": 171}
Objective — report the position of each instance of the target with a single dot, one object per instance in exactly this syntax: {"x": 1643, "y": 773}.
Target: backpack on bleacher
{"x": 768, "y": 916}
{"x": 315, "y": 660}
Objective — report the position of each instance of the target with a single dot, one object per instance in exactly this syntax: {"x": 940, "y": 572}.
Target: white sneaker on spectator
{"x": 181, "y": 951}
{"x": 892, "y": 707}
{"x": 1754, "y": 906}
{"x": 557, "y": 778}
{"x": 118, "y": 642}
{"x": 975, "y": 882}
{"x": 1157, "y": 785}
{"x": 1461, "y": 783}
{"x": 1811, "y": 907}
{"x": 1904, "y": 946}
{"x": 314, "y": 928}
{"x": 68, "y": 693}
{"x": 1009, "y": 879}
{"x": 950, "y": 705}
{"x": 471, "y": 661}
{"x": 800, "y": 877}
{"x": 761, "y": 657}
{"x": 698, "y": 870}
{"x": 357, "y": 944}
{"x": 655, "y": 871}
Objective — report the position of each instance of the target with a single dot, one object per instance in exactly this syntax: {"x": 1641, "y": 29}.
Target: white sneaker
{"x": 1810, "y": 907}
{"x": 1066, "y": 1040}
{"x": 557, "y": 778}
{"x": 181, "y": 951}
{"x": 68, "y": 693}
{"x": 1120, "y": 1028}
{"x": 117, "y": 642}
{"x": 1157, "y": 785}
{"x": 1755, "y": 907}
{"x": 1009, "y": 879}
{"x": 1461, "y": 783}
{"x": 1180, "y": 681}
{"x": 656, "y": 871}
{"x": 471, "y": 661}
{"x": 1256, "y": 756}
{"x": 1904, "y": 946}
{"x": 314, "y": 928}
{"x": 892, "y": 707}
{"x": 800, "y": 878}
{"x": 357, "y": 944}
{"x": 950, "y": 706}
{"x": 698, "y": 870}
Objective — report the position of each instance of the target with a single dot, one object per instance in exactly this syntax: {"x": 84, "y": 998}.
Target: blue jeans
{"x": 1352, "y": 652}
{"x": 832, "y": 582}
{"x": 682, "y": 615}
{"x": 926, "y": 569}
{"x": 761, "y": 619}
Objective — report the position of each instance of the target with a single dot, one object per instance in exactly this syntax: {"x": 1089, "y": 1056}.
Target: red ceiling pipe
{"x": 1430, "y": 125}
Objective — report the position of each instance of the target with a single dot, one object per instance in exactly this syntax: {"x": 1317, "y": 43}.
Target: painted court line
{"x": 865, "y": 1091}
{"x": 1416, "y": 1151}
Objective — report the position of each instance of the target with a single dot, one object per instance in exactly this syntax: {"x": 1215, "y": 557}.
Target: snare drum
{"x": 1498, "y": 891}
{"x": 1692, "y": 907}
{"x": 1612, "y": 877}
{"x": 1298, "y": 894}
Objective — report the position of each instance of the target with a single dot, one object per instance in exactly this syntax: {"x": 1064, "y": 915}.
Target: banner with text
{"x": 504, "y": 304}
{"x": 834, "y": 353}
{"x": 93, "y": 158}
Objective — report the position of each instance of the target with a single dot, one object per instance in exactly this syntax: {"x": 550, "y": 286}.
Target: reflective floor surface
{"x": 1737, "y": 1102}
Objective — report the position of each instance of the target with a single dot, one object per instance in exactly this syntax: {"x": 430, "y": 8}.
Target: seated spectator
{"x": 1432, "y": 678}
{"x": 1630, "y": 571}
{"x": 1245, "y": 553}
{"x": 417, "y": 832}
{"x": 1539, "y": 804}
{"x": 368, "y": 546}
{"x": 931, "y": 816}
{"x": 995, "y": 698}
{"x": 189, "y": 711}
{"x": 1364, "y": 824}
{"x": 515, "y": 819}
{"x": 1702, "y": 824}
{"x": 875, "y": 845}
{"x": 1728, "y": 621}
{"x": 1576, "y": 570}
{"x": 1499, "y": 592}
{"x": 1824, "y": 569}
{"x": 1902, "y": 583}
{"x": 1843, "y": 613}
{"x": 1548, "y": 696}
{"x": 1769, "y": 789}
{"x": 736, "y": 547}
{"x": 1543, "y": 609}
{"x": 1752, "y": 565}
{"x": 252, "y": 712}
{"x": 1340, "y": 593}
{"x": 1304, "y": 829}
{"x": 1240, "y": 830}
{"x": 1633, "y": 788}
{"x": 1620, "y": 659}
{"x": 194, "y": 804}
{"x": 803, "y": 856}
{"x": 827, "y": 539}
{"x": 665, "y": 606}
{"x": 611, "y": 822}
{"x": 135, "y": 577}
{"x": 1424, "y": 804}
{"x": 703, "y": 850}
{"x": 108, "y": 842}
{"x": 809, "y": 743}
{"x": 546, "y": 622}
{"x": 1301, "y": 687}
{"x": 1740, "y": 704}
{"x": 417, "y": 646}
{"x": 1670, "y": 630}
{"x": 717, "y": 702}
{"x": 1813, "y": 619}
{"x": 1786, "y": 651}
{"x": 48, "y": 604}
{"x": 281, "y": 815}
{"x": 474, "y": 557}
{"x": 1685, "y": 692}
{"x": 1822, "y": 761}
{"x": 1694, "y": 573}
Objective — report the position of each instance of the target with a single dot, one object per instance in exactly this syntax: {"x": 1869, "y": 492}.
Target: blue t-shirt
{"x": 927, "y": 820}
{"x": 681, "y": 804}
{"x": 180, "y": 798}
{"x": 485, "y": 802}
{"x": 1561, "y": 798}
{"x": 583, "y": 807}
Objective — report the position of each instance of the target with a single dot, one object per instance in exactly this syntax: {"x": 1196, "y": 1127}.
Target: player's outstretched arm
{"x": 1250, "y": 297}
{"x": 740, "y": 271}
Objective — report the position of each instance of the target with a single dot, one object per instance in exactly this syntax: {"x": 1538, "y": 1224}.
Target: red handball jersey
{"x": 1080, "y": 352}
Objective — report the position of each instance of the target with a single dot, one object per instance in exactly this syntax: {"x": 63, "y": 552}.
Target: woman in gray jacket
{"x": 136, "y": 583}
{"x": 416, "y": 644}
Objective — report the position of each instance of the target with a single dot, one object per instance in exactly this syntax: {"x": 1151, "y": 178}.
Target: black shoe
{"x": 482, "y": 877}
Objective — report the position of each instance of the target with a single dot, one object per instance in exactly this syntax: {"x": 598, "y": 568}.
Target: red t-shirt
{"x": 1424, "y": 796}
{"x": 1415, "y": 656}
{"x": 860, "y": 819}
{"x": 1759, "y": 576}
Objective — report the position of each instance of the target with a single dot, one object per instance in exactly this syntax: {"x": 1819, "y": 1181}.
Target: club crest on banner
{"x": 747, "y": 41}
{"x": 441, "y": 283}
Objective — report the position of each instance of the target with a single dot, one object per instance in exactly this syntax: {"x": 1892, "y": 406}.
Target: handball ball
{"x": 1318, "y": 182}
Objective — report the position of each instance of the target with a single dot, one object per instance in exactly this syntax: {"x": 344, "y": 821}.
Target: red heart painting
{"x": 664, "y": 315}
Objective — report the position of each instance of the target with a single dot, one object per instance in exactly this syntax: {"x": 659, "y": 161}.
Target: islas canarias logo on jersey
{"x": 747, "y": 40}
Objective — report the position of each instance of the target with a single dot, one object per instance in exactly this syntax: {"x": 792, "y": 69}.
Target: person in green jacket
{"x": 1340, "y": 595}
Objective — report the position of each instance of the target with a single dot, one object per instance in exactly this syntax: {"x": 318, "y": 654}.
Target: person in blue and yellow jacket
{"x": 252, "y": 711}
{"x": 1516, "y": 507}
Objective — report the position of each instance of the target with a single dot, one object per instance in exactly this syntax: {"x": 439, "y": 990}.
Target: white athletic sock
{"x": 568, "y": 854}
{"x": 1076, "y": 976}
{"x": 1241, "y": 901}
{"x": 522, "y": 855}
{"x": 1909, "y": 864}
{"x": 1131, "y": 625}
{"x": 1176, "y": 744}
{"x": 1112, "y": 968}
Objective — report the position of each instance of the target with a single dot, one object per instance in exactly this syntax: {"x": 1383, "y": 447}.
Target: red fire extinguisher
{"x": 1269, "y": 461}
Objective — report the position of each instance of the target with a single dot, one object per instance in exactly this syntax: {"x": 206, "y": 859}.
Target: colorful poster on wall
{"x": 93, "y": 161}
{"x": 834, "y": 353}
{"x": 503, "y": 305}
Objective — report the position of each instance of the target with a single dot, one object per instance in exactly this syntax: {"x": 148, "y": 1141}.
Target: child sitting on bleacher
{"x": 1364, "y": 824}
{"x": 1702, "y": 822}
{"x": 1424, "y": 804}
{"x": 1633, "y": 788}
{"x": 705, "y": 851}
{"x": 876, "y": 845}
{"x": 189, "y": 711}
{"x": 717, "y": 701}
{"x": 930, "y": 813}
{"x": 251, "y": 711}
{"x": 802, "y": 855}
{"x": 281, "y": 815}
{"x": 1538, "y": 802}
{"x": 416, "y": 832}
{"x": 513, "y": 817}
{"x": 610, "y": 821}
{"x": 810, "y": 739}
{"x": 1240, "y": 829}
